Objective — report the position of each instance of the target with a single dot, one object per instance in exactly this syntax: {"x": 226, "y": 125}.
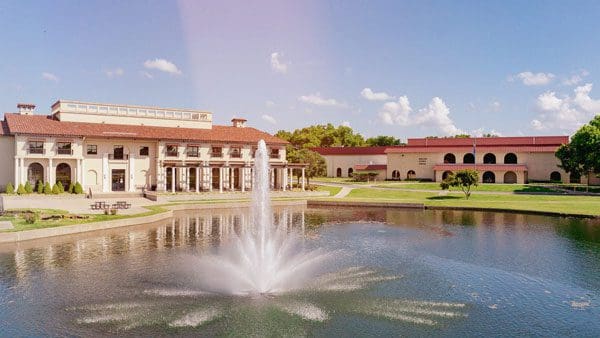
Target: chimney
{"x": 238, "y": 123}
{"x": 26, "y": 108}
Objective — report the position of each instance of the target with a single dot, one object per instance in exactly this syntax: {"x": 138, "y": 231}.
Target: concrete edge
{"x": 514, "y": 211}
{"x": 421, "y": 206}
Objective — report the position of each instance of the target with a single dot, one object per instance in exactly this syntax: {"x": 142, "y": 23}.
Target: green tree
{"x": 71, "y": 188}
{"x": 28, "y": 188}
{"x": 316, "y": 163}
{"x": 581, "y": 156}
{"x": 61, "y": 187}
{"x": 10, "y": 189}
{"x": 55, "y": 189}
{"x": 382, "y": 140}
{"x": 21, "y": 190}
{"x": 47, "y": 188}
{"x": 465, "y": 179}
{"x": 39, "y": 187}
{"x": 78, "y": 188}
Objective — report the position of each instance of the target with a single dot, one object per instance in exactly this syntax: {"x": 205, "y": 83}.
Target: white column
{"x": 173, "y": 179}
{"x": 82, "y": 174}
{"x": 220, "y": 180}
{"x": 105, "y": 174}
{"x": 231, "y": 179}
{"x": 187, "y": 178}
{"x": 23, "y": 177}
{"x": 210, "y": 179}
{"x": 284, "y": 178}
{"x": 303, "y": 188}
{"x": 272, "y": 178}
{"x": 197, "y": 179}
{"x": 131, "y": 173}
{"x": 243, "y": 178}
{"x": 17, "y": 172}
{"x": 291, "y": 178}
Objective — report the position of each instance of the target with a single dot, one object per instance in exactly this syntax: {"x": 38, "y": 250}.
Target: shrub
{"x": 21, "y": 190}
{"x": 78, "y": 188}
{"x": 28, "y": 188}
{"x": 113, "y": 211}
{"x": 39, "y": 187}
{"x": 71, "y": 189}
{"x": 61, "y": 187}
{"x": 10, "y": 189}
{"x": 47, "y": 188}
{"x": 55, "y": 189}
{"x": 31, "y": 217}
{"x": 106, "y": 211}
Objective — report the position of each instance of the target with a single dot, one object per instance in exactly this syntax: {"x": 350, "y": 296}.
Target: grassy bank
{"x": 580, "y": 205}
{"x": 491, "y": 187}
{"x": 332, "y": 190}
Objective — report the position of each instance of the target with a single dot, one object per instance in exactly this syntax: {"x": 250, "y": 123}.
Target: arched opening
{"x": 489, "y": 177}
{"x": 510, "y": 177}
{"x": 411, "y": 175}
{"x": 169, "y": 178}
{"x": 396, "y": 175}
{"x": 575, "y": 178}
{"x": 489, "y": 158}
{"x": 63, "y": 174}
{"x": 91, "y": 178}
{"x": 350, "y": 171}
{"x": 510, "y": 158}
{"x": 236, "y": 178}
{"x": 446, "y": 174}
{"x": 216, "y": 177}
{"x": 35, "y": 173}
{"x": 555, "y": 176}
{"x": 338, "y": 172}
{"x": 449, "y": 158}
{"x": 469, "y": 158}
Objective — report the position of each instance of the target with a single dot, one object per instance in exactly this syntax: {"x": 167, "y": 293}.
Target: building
{"x": 112, "y": 148}
{"x": 497, "y": 159}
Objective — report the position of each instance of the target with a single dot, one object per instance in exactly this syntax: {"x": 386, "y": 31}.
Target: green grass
{"x": 346, "y": 180}
{"x": 580, "y": 205}
{"x": 332, "y": 190}
{"x": 19, "y": 223}
{"x": 493, "y": 187}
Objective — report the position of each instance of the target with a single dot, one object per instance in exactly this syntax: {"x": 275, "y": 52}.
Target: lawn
{"x": 345, "y": 180}
{"x": 580, "y": 205}
{"x": 494, "y": 187}
{"x": 332, "y": 190}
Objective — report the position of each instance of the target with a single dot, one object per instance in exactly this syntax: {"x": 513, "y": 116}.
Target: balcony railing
{"x": 193, "y": 154}
{"x": 118, "y": 156}
{"x": 172, "y": 154}
{"x": 64, "y": 151}
{"x": 235, "y": 155}
{"x": 273, "y": 155}
{"x": 216, "y": 154}
{"x": 36, "y": 151}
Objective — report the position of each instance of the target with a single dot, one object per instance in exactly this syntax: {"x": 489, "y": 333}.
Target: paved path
{"x": 344, "y": 192}
{"x": 6, "y": 225}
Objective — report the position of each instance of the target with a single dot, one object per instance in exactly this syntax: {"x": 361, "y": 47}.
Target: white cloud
{"x": 269, "y": 103}
{"x": 346, "y": 123}
{"x": 114, "y": 72}
{"x": 566, "y": 113}
{"x": 162, "y": 65}
{"x": 479, "y": 132}
{"x": 268, "y": 118}
{"x": 317, "y": 100}
{"x": 533, "y": 79}
{"x": 436, "y": 115}
{"x": 575, "y": 78}
{"x": 368, "y": 94}
{"x": 277, "y": 64}
{"x": 50, "y": 77}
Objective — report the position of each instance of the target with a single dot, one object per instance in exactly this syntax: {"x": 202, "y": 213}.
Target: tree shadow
{"x": 444, "y": 197}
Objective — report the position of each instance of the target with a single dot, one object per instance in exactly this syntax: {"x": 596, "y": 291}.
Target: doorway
{"x": 118, "y": 180}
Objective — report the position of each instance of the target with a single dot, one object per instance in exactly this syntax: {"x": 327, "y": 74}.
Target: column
{"x": 187, "y": 178}
{"x": 303, "y": 188}
{"x": 82, "y": 174}
{"x": 23, "y": 177}
{"x": 17, "y": 172}
{"x": 198, "y": 178}
{"x": 284, "y": 178}
{"x": 210, "y": 185}
{"x": 173, "y": 171}
{"x": 105, "y": 178}
{"x": 131, "y": 173}
{"x": 243, "y": 178}
{"x": 221, "y": 179}
{"x": 231, "y": 179}
{"x": 291, "y": 178}
{"x": 272, "y": 178}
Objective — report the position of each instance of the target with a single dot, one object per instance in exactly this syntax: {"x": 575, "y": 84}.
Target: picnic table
{"x": 99, "y": 205}
{"x": 121, "y": 205}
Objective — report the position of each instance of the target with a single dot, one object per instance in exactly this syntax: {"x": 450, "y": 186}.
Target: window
{"x": 254, "y": 149}
{"x": 193, "y": 151}
{"x": 92, "y": 149}
{"x": 422, "y": 160}
{"x": 235, "y": 152}
{"x": 469, "y": 158}
{"x": 144, "y": 151}
{"x": 216, "y": 152}
{"x": 274, "y": 153}
{"x": 449, "y": 158}
{"x": 118, "y": 152}
{"x": 510, "y": 158}
{"x": 489, "y": 158}
{"x": 64, "y": 148}
{"x": 172, "y": 150}
{"x": 36, "y": 147}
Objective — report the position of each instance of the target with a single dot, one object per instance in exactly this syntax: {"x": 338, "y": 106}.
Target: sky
{"x": 401, "y": 68}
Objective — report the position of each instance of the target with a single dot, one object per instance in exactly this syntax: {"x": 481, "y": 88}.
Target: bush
{"x": 78, "y": 189}
{"x": 47, "y": 188}
{"x": 61, "y": 187}
{"x": 55, "y": 189}
{"x": 10, "y": 189}
{"x": 113, "y": 211}
{"x": 39, "y": 187}
{"x": 31, "y": 217}
{"x": 21, "y": 190}
{"x": 28, "y": 187}
{"x": 71, "y": 189}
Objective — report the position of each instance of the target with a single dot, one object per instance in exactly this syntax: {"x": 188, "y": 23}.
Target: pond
{"x": 391, "y": 272}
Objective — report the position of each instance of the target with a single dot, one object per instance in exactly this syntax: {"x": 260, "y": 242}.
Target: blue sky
{"x": 406, "y": 69}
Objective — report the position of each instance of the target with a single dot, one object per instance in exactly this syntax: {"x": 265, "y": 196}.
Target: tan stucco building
{"x": 497, "y": 159}
{"x": 112, "y": 148}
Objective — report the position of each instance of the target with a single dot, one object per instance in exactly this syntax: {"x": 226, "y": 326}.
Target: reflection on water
{"x": 402, "y": 272}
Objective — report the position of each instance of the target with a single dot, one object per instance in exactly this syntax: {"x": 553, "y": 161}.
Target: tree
{"x": 71, "y": 188}
{"x": 78, "y": 188}
{"x": 28, "y": 188}
{"x": 55, "y": 189}
{"x": 382, "y": 140}
{"x": 61, "y": 187}
{"x": 21, "y": 190}
{"x": 10, "y": 189}
{"x": 47, "y": 188}
{"x": 465, "y": 179}
{"x": 582, "y": 154}
{"x": 316, "y": 163}
{"x": 39, "y": 187}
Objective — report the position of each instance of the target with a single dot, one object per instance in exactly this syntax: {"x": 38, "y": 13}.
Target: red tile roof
{"x": 489, "y": 141}
{"x": 351, "y": 150}
{"x": 46, "y": 125}
{"x": 479, "y": 149}
{"x": 370, "y": 167}
{"x": 481, "y": 167}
